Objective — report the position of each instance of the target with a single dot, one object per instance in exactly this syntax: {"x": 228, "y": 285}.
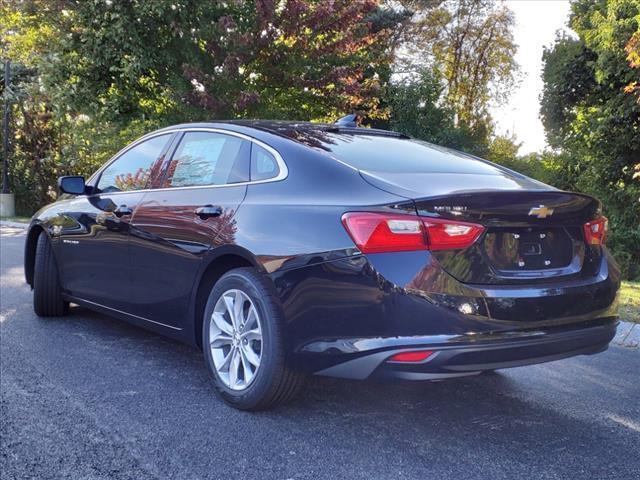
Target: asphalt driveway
{"x": 90, "y": 397}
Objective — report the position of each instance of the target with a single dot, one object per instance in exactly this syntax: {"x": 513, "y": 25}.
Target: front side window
{"x": 206, "y": 158}
{"x": 131, "y": 171}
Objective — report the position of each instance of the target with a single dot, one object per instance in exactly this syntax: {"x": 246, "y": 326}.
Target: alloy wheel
{"x": 235, "y": 339}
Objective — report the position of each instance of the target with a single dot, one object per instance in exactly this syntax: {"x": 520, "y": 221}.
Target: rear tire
{"x": 47, "y": 292}
{"x": 260, "y": 328}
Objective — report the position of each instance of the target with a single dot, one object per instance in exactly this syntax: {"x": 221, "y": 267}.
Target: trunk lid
{"x": 518, "y": 208}
{"x": 533, "y": 233}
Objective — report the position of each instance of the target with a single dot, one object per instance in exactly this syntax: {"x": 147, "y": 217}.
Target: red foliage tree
{"x": 301, "y": 59}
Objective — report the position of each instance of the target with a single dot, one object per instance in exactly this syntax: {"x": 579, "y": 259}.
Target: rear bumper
{"x": 469, "y": 354}
{"x": 346, "y": 317}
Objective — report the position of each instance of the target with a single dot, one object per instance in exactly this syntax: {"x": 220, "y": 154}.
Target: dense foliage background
{"x": 91, "y": 75}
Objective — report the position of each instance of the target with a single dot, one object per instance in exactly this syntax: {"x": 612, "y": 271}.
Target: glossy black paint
{"x": 148, "y": 256}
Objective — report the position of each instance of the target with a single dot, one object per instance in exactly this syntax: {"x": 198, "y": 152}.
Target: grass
{"x": 630, "y": 301}
{"x": 16, "y": 219}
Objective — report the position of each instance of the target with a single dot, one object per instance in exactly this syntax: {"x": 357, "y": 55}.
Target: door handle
{"x": 208, "y": 211}
{"x": 122, "y": 210}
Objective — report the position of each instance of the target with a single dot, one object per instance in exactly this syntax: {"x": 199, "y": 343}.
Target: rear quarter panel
{"x": 297, "y": 221}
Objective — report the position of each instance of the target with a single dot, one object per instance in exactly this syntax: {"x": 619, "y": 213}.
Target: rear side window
{"x": 131, "y": 170}
{"x": 373, "y": 153}
{"x": 263, "y": 164}
{"x": 206, "y": 158}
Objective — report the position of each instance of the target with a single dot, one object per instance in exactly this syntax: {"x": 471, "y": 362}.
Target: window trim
{"x": 282, "y": 174}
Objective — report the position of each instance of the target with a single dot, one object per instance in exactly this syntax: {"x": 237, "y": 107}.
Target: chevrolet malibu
{"x": 287, "y": 249}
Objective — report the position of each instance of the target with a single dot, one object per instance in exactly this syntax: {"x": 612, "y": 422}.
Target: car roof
{"x": 328, "y": 137}
{"x": 310, "y": 134}
{"x": 290, "y": 129}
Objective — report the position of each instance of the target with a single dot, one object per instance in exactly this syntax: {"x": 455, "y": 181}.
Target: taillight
{"x": 449, "y": 235}
{"x": 595, "y": 231}
{"x": 381, "y": 232}
{"x": 377, "y": 232}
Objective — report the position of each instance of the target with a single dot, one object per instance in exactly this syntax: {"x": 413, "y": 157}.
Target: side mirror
{"x": 73, "y": 184}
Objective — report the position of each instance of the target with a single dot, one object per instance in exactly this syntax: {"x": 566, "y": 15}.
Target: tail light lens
{"x": 379, "y": 232}
{"x": 595, "y": 231}
{"x": 449, "y": 235}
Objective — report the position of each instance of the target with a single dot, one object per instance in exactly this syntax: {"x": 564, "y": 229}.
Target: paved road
{"x": 89, "y": 397}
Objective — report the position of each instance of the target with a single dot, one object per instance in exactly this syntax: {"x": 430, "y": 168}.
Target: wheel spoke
{"x": 246, "y": 367}
{"x": 238, "y": 309}
{"x": 252, "y": 318}
{"x": 220, "y": 340}
{"x": 234, "y": 367}
{"x": 228, "y": 300}
{"x": 250, "y": 355}
{"x": 222, "y": 324}
{"x": 224, "y": 365}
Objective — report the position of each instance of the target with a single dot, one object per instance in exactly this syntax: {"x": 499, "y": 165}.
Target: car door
{"x": 178, "y": 223}
{"x": 93, "y": 252}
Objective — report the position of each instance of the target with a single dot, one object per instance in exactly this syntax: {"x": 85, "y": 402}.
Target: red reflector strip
{"x": 411, "y": 357}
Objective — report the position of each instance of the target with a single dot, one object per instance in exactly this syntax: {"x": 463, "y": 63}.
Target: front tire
{"x": 243, "y": 343}
{"x": 47, "y": 292}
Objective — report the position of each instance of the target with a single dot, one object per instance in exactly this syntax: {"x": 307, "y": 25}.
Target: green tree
{"x": 417, "y": 110}
{"x": 591, "y": 115}
{"x": 503, "y": 149}
{"x": 100, "y": 73}
{"x": 299, "y": 59}
{"x": 470, "y": 43}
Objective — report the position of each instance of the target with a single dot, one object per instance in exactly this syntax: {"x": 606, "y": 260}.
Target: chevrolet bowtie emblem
{"x": 541, "y": 211}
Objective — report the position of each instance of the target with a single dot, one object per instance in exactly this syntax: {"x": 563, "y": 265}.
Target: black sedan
{"x": 286, "y": 249}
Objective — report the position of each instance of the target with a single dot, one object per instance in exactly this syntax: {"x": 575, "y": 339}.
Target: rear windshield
{"x": 373, "y": 153}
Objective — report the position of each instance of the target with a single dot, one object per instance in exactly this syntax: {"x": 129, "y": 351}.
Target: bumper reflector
{"x": 411, "y": 357}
